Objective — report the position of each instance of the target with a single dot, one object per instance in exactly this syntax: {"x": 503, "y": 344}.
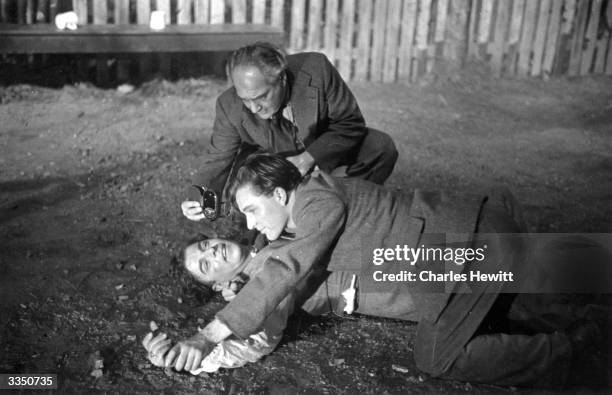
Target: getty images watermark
{"x": 523, "y": 263}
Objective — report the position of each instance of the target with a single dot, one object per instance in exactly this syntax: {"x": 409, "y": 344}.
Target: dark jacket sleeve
{"x": 344, "y": 129}
{"x": 320, "y": 220}
{"x": 223, "y": 147}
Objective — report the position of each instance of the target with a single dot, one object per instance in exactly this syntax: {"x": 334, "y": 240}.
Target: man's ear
{"x": 280, "y": 195}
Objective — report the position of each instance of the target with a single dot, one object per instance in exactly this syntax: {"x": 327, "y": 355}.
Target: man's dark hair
{"x": 268, "y": 58}
{"x": 265, "y": 172}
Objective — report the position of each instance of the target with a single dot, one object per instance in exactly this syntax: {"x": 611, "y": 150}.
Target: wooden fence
{"x": 381, "y": 40}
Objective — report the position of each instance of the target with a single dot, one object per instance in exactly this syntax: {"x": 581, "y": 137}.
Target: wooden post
{"x": 409, "y": 18}
{"x": 540, "y": 37}
{"x": 200, "y": 8}
{"x": 298, "y": 12}
{"x": 277, "y": 13}
{"x": 591, "y": 37}
{"x": 578, "y": 38}
{"x": 331, "y": 29}
{"x": 314, "y": 26}
{"x": 394, "y": 12}
{"x": 259, "y": 12}
{"x": 502, "y": 22}
{"x": 217, "y": 11}
{"x": 378, "y": 45}
{"x": 524, "y": 55}
{"x": 552, "y": 36}
{"x": 238, "y": 11}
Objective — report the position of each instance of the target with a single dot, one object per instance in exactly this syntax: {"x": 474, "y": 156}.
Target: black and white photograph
{"x": 306, "y": 196}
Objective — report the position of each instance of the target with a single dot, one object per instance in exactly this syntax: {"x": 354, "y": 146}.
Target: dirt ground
{"x": 90, "y": 224}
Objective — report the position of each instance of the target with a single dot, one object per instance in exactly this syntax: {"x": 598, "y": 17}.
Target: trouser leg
{"x": 540, "y": 360}
{"x": 375, "y": 159}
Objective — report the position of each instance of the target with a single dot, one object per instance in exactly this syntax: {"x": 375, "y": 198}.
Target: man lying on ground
{"x": 327, "y": 221}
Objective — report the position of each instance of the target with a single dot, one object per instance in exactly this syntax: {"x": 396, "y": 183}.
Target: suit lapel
{"x": 257, "y": 130}
{"x": 304, "y": 104}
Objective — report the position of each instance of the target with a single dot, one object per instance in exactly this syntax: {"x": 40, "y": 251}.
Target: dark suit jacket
{"x": 325, "y": 112}
{"x": 339, "y": 222}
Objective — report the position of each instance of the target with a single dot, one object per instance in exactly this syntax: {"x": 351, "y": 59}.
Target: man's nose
{"x": 255, "y": 107}
{"x": 250, "y": 222}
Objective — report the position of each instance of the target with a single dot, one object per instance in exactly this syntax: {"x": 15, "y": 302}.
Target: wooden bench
{"x": 47, "y": 39}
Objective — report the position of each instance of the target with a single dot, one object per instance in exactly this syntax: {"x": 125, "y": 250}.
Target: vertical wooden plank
{"x": 217, "y": 11}
{"x": 277, "y": 13}
{"x": 313, "y": 35}
{"x": 364, "y": 30}
{"x": 578, "y": 38}
{"x": 331, "y": 29}
{"x": 378, "y": 44}
{"x": 30, "y": 15}
{"x": 346, "y": 39}
{"x": 201, "y": 11}
{"x": 524, "y": 51}
{"x": 540, "y": 37}
{"x": 569, "y": 14}
{"x": 143, "y": 14}
{"x": 298, "y": 13}
{"x": 441, "y": 14}
{"x": 122, "y": 16}
{"x": 165, "y": 59}
{"x": 313, "y": 42}
{"x": 21, "y": 11}
{"x": 552, "y": 36}
{"x": 591, "y": 37}
{"x": 472, "y": 48}
{"x": 80, "y": 8}
{"x": 394, "y": 12}
{"x": 54, "y": 9}
{"x": 600, "y": 54}
{"x": 502, "y": 24}
{"x": 409, "y": 18}
{"x": 486, "y": 13}
{"x": 607, "y": 68}
{"x": 238, "y": 11}
{"x": 422, "y": 33}
{"x": 3, "y": 11}
{"x": 259, "y": 12}
{"x": 100, "y": 17}
{"x": 517, "y": 20}
{"x": 183, "y": 12}
{"x": 164, "y": 5}
{"x": 609, "y": 58}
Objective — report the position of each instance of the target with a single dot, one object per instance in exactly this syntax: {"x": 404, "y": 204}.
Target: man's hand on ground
{"x": 304, "y": 162}
{"x": 188, "y": 354}
{"x": 192, "y": 210}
